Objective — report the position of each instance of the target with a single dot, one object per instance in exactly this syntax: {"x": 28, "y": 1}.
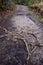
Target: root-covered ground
{"x": 21, "y": 39}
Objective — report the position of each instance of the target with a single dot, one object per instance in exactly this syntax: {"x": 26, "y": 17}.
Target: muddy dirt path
{"x": 24, "y": 24}
{"x": 11, "y": 49}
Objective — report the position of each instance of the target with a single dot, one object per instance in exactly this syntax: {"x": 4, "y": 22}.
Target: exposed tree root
{"x": 13, "y": 36}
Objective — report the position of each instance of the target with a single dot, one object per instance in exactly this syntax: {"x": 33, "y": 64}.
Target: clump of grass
{"x": 35, "y": 15}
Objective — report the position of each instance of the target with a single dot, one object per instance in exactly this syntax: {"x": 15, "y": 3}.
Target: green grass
{"x": 36, "y": 16}
{"x": 0, "y": 10}
{"x": 7, "y": 15}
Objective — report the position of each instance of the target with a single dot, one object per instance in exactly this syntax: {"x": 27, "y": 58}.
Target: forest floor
{"x": 37, "y": 11}
{"x": 25, "y": 27}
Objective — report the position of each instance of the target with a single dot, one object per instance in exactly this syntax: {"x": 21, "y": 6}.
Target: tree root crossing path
{"x": 22, "y": 26}
{"x": 22, "y": 21}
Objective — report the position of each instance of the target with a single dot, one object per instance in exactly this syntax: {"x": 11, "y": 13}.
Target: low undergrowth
{"x": 36, "y": 16}
{"x": 6, "y": 13}
{"x": 37, "y": 11}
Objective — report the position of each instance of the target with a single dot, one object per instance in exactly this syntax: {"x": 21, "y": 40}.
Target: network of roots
{"x": 20, "y": 42}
